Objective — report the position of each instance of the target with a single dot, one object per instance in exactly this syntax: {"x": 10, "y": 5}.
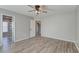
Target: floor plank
{"x": 44, "y": 45}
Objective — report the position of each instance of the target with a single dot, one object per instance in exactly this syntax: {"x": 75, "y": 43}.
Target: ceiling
{"x": 51, "y": 9}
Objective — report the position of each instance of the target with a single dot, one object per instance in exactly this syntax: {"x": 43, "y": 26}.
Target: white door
{"x": 32, "y": 28}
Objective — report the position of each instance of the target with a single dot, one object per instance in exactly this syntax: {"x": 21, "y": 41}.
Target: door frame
{"x": 13, "y": 27}
{"x": 32, "y": 28}
{"x": 36, "y": 27}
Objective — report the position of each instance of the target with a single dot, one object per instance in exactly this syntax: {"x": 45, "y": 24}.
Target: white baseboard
{"x": 21, "y": 39}
{"x": 59, "y": 39}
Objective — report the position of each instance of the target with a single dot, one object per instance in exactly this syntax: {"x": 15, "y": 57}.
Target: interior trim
{"x": 77, "y": 46}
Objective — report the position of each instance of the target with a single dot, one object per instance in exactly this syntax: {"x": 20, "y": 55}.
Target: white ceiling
{"x": 51, "y": 9}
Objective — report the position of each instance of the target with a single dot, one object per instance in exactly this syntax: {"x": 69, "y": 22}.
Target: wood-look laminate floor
{"x": 43, "y": 45}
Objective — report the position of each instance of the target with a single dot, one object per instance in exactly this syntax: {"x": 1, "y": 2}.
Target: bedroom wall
{"x": 60, "y": 26}
{"x": 77, "y": 41}
{"x": 22, "y": 25}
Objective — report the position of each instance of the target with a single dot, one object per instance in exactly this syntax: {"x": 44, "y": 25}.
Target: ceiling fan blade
{"x": 30, "y": 6}
{"x": 50, "y": 9}
{"x": 44, "y": 11}
{"x": 31, "y": 10}
{"x": 43, "y": 7}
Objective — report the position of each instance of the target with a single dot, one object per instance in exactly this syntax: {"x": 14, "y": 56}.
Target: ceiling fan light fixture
{"x": 39, "y": 9}
{"x": 37, "y": 12}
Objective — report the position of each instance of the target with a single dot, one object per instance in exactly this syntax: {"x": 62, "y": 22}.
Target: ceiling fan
{"x": 38, "y": 9}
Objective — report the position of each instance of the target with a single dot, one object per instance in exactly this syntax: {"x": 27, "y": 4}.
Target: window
{"x": 5, "y": 26}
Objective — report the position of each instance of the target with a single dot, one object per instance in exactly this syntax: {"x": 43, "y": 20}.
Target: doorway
{"x": 7, "y": 31}
{"x": 38, "y": 28}
{"x": 35, "y": 28}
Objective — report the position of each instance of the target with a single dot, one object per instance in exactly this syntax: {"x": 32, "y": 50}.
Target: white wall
{"x": 22, "y": 24}
{"x": 60, "y": 26}
{"x": 77, "y": 41}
